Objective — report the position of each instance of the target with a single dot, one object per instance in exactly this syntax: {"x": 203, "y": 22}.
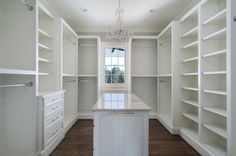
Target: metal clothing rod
{"x": 30, "y": 84}
{"x": 30, "y": 7}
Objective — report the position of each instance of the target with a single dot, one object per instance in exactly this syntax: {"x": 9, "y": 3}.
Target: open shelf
{"x": 86, "y": 75}
{"x": 44, "y": 74}
{"x": 219, "y": 130}
{"x": 216, "y": 53}
{"x": 191, "y": 132}
{"x": 217, "y": 18}
{"x": 191, "y": 32}
{"x": 215, "y": 92}
{"x": 215, "y": 73}
{"x": 17, "y": 72}
{"x": 68, "y": 75}
{"x": 191, "y": 45}
{"x": 43, "y": 47}
{"x": 216, "y": 110}
{"x": 191, "y": 102}
{"x": 190, "y": 88}
{"x": 216, "y": 35}
{"x": 190, "y": 74}
{"x": 44, "y": 60}
{"x": 43, "y": 34}
{"x": 190, "y": 59}
{"x": 164, "y": 75}
{"x": 190, "y": 116}
{"x": 216, "y": 149}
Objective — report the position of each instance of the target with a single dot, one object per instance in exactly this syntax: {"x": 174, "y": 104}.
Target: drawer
{"x": 50, "y": 119}
{"x": 52, "y": 98}
{"x": 53, "y": 107}
{"x": 52, "y": 131}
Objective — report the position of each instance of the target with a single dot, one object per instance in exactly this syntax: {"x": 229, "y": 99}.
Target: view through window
{"x": 114, "y": 65}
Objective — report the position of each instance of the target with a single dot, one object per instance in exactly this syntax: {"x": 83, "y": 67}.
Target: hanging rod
{"x": 161, "y": 43}
{"x": 30, "y": 84}
{"x": 30, "y": 7}
{"x": 70, "y": 81}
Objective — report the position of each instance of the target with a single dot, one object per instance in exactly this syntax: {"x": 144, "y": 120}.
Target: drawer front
{"x": 52, "y": 131}
{"x": 52, "y": 98}
{"x": 53, "y": 107}
{"x": 52, "y": 118}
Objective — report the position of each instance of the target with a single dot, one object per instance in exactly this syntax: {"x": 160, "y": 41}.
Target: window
{"x": 114, "y": 65}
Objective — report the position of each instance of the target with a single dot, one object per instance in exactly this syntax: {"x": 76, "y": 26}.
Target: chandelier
{"x": 119, "y": 32}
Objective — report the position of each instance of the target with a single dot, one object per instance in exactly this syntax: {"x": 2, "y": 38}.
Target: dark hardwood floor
{"x": 79, "y": 141}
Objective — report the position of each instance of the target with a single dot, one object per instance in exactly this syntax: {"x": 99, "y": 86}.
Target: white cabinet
{"x": 50, "y": 121}
{"x": 121, "y": 133}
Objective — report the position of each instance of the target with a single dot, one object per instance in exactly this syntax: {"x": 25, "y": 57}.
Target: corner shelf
{"x": 215, "y": 35}
{"x": 217, "y": 18}
{"x": 192, "y": 117}
{"x": 191, "y": 102}
{"x": 216, "y": 110}
{"x": 217, "y": 129}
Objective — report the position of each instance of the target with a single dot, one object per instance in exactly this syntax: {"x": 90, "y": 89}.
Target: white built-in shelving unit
{"x": 17, "y": 78}
{"x": 88, "y": 80}
{"x": 167, "y": 65}
{"x": 69, "y": 55}
{"x": 144, "y": 70}
{"x": 214, "y": 76}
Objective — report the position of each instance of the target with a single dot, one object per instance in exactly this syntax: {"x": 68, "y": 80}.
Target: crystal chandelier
{"x": 119, "y": 32}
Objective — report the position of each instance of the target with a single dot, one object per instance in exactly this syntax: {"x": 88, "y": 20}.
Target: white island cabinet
{"x": 120, "y": 125}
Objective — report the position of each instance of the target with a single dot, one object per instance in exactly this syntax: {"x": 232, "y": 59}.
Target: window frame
{"x": 114, "y": 85}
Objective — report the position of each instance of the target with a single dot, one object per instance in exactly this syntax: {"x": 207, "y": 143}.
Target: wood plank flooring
{"x": 79, "y": 141}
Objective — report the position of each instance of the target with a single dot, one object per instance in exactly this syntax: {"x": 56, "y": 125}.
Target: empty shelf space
{"x": 216, "y": 53}
{"x": 190, "y": 132}
{"x": 216, "y": 149}
{"x": 164, "y": 75}
{"x": 43, "y": 34}
{"x": 144, "y": 75}
{"x": 215, "y": 73}
{"x": 191, "y": 32}
{"x": 215, "y": 35}
{"x": 190, "y": 59}
{"x": 190, "y": 74}
{"x": 219, "y": 130}
{"x": 190, "y": 88}
{"x": 218, "y": 92}
{"x": 216, "y": 110}
{"x": 217, "y": 18}
{"x": 87, "y": 75}
{"x": 43, "y": 47}
{"x": 191, "y": 102}
{"x": 191, "y": 45}
{"x": 17, "y": 71}
{"x": 44, "y": 60}
{"x": 192, "y": 117}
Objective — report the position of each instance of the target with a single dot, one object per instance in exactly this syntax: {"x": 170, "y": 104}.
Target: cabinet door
{"x": 132, "y": 134}
{"x": 109, "y": 135}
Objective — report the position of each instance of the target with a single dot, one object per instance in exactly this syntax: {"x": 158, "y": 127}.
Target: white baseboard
{"x": 68, "y": 125}
{"x": 51, "y": 147}
{"x": 170, "y": 128}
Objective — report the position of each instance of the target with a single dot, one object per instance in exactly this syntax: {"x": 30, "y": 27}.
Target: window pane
{"x": 107, "y": 78}
{"x": 117, "y": 70}
{"x": 115, "y": 52}
{"x": 108, "y": 52}
{"x": 108, "y": 70}
{"x": 121, "y": 61}
{"x": 117, "y": 78}
{"x": 114, "y": 60}
{"x": 107, "y": 60}
{"x": 122, "y": 53}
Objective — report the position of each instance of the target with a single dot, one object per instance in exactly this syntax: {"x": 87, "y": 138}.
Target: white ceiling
{"x": 101, "y": 13}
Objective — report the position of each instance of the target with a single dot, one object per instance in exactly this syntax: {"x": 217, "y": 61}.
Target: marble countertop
{"x": 120, "y": 101}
